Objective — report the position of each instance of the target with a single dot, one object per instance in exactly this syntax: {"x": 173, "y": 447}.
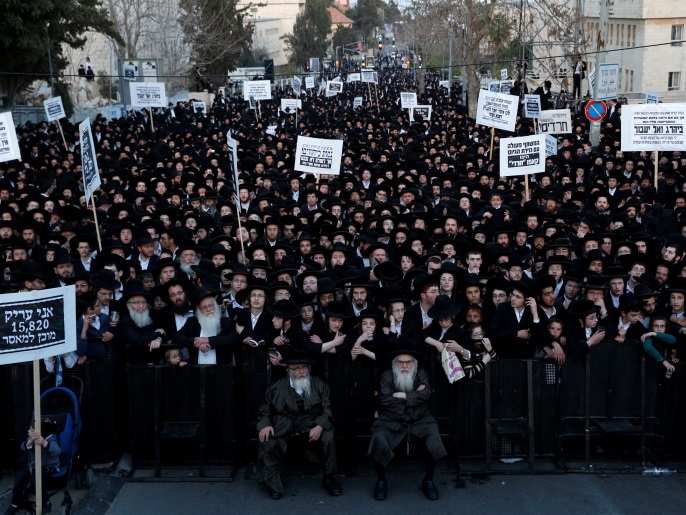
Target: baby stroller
{"x": 62, "y": 406}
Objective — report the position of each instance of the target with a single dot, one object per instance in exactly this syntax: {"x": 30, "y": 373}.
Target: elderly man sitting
{"x": 297, "y": 410}
{"x": 404, "y": 411}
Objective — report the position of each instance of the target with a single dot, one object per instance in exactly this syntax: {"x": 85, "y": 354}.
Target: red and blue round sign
{"x": 596, "y": 110}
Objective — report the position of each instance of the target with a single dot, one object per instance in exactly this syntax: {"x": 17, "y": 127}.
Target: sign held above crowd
{"x": 318, "y": 156}
{"x": 497, "y": 110}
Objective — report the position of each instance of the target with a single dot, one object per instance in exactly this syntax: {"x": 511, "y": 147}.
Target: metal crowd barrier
{"x": 598, "y": 408}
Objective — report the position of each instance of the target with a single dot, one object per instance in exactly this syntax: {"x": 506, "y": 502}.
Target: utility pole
{"x": 599, "y": 59}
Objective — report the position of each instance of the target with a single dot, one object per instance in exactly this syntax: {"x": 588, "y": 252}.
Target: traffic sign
{"x": 596, "y": 110}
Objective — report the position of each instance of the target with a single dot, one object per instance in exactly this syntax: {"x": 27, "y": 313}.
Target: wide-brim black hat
{"x": 198, "y": 294}
{"x": 134, "y": 288}
{"x": 255, "y": 284}
{"x": 29, "y": 271}
{"x": 388, "y": 272}
{"x": 444, "y": 307}
{"x": 583, "y": 308}
{"x": 106, "y": 279}
{"x": 415, "y": 353}
{"x": 296, "y": 357}
{"x": 374, "y": 313}
{"x": 285, "y": 309}
{"x": 337, "y": 310}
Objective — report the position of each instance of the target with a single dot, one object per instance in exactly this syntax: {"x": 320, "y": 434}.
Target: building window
{"x": 620, "y": 80}
{"x": 632, "y": 80}
{"x": 677, "y": 33}
{"x": 271, "y": 32}
{"x": 634, "y": 31}
{"x": 674, "y": 81}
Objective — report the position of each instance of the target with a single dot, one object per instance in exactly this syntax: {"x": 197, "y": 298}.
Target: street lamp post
{"x": 52, "y": 82}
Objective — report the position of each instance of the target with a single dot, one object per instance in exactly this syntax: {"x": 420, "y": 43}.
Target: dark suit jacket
{"x": 611, "y": 324}
{"x": 223, "y": 343}
{"x": 264, "y": 329}
{"x": 137, "y": 339}
{"x": 503, "y": 332}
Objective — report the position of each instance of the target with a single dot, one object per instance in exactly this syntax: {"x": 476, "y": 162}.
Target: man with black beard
{"x": 208, "y": 336}
{"x": 136, "y": 328}
{"x": 297, "y": 411}
{"x": 174, "y": 293}
{"x": 404, "y": 410}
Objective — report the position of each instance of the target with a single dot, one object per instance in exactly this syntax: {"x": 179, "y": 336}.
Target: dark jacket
{"x": 222, "y": 343}
{"x": 503, "y": 332}
{"x": 137, "y": 340}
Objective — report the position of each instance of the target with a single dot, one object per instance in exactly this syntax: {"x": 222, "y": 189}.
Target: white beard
{"x": 302, "y": 386}
{"x": 403, "y": 380}
{"x": 141, "y": 319}
{"x": 186, "y": 267}
{"x": 210, "y": 324}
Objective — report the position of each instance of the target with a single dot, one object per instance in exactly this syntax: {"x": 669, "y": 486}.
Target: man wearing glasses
{"x": 296, "y": 413}
{"x": 404, "y": 410}
{"x": 516, "y": 325}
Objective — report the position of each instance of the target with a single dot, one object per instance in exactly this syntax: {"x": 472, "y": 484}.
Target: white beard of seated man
{"x": 185, "y": 266}
{"x": 210, "y": 325}
{"x": 141, "y": 319}
{"x": 403, "y": 379}
{"x": 301, "y": 385}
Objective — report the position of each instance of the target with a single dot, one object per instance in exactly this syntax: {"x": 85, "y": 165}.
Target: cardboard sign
{"x": 608, "y": 81}
{"x": 309, "y": 82}
{"x": 369, "y": 76}
{"x": 333, "y": 88}
{"x": 357, "y": 102}
{"x": 54, "y": 109}
{"x": 290, "y": 105}
{"x": 232, "y": 144}
{"x": 522, "y": 156}
{"x": 37, "y": 324}
{"x": 444, "y": 84}
{"x": 532, "y": 106}
{"x": 258, "y": 89}
{"x": 89, "y": 163}
{"x": 354, "y": 77}
{"x": 506, "y": 86}
{"x": 422, "y": 110}
{"x": 9, "y": 146}
{"x": 297, "y": 85}
{"x": 503, "y": 73}
{"x": 550, "y": 145}
{"x": 497, "y": 110}
{"x": 199, "y": 106}
{"x": 652, "y": 97}
{"x": 408, "y": 99}
{"x": 653, "y": 127}
{"x": 318, "y": 156}
{"x": 148, "y": 94}
{"x": 555, "y": 121}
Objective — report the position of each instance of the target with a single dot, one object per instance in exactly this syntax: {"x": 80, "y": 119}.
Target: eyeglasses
{"x": 398, "y": 310}
{"x": 515, "y": 296}
{"x": 405, "y": 363}
{"x": 257, "y": 296}
{"x": 478, "y": 335}
{"x": 240, "y": 281}
{"x": 281, "y": 295}
{"x": 592, "y": 317}
{"x": 206, "y": 307}
{"x": 137, "y": 302}
{"x": 298, "y": 369}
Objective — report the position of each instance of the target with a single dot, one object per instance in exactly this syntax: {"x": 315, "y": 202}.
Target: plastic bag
{"x": 452, "y": 366}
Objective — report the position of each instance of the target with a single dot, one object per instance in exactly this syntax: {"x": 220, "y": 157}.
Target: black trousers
{"x": 23, "y": 479}
{"x": 577, "y": 86}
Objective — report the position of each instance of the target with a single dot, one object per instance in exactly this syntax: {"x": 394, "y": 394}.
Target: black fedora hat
{"x": 296, "y": 357}
{"x": 629, "y": 302}
{"x": 285, "y": 309}
{"x": 523, "y": 287}
{"x": 374, "y": 313}
{"x": 62, "y": 256}
{"x": 444, "y": 307}
{"x": 583, "y": 308}
{"x": 198, "y": 294}
{"x": 388, "y": 272}
{"x": 134, "y": 288}
{"x": 29, "y": 271}
{"x": 106, "y": 279}
{"x": 415, "y": 353}
{"x": 595, "y": 282}
{"x": 337, "y": 310}
{"x": 255, "y": 284}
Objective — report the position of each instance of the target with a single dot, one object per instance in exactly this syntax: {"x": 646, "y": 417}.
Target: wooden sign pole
{"x": 37, "y": 448}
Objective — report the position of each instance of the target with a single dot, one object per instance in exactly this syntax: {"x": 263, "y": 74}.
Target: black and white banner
{"x": 297, "y": 85}
{"x": 89, "y": 162}
{"x": 9, "y": 146}
{"x": 532, "y": 106}
{"x": 357, "y": 102}
{"x": 408, "y": 99}
{"x": 54, "y": 109}
{"x": 318, "y": 156}
{"x": 333, "y": 88}
{"x": 290, "y": 105}
{"x": 555, "y": 121}
{"x": 497, "y": 110}
{"x": 653, "y": 127}
{"x": 148, "y": 94}
{"x": 309, "y": 82}
{"x": 258, "y": 89}
{"x": 354, "y": 77}
{"x": 522, "y": 156}
{"x": 232, "y": 144}
{"x": 369, "y": 76}
{"x": 422, "y": 110}
{"x": 37, "y": 324}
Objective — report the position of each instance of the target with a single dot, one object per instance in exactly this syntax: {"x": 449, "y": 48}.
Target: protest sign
{"x": 591, "y": 80}
{"x": 232, "y": 145}
{"x": 555, "y": 121}
{"x": 497, "y": 110}
{"x": 148, "y": 94}
{"x": 550, "y": 145}
{"x": 408, "y": 99}
{"x": 522, "y": 156}
{"x": 37, "y": 324}
{"x": 652, "y": 97}
{"x": 369, "y": 76}
{"x": 9, "y": 146}
{"x": 506, "y": 86}
{"x": 532, "y": 106}
{"x": 322, "y": 85}
{"x": 259, "y": 89}
{"x": 290, "y": 105}
{"x": 199, "y": 107}
{"x": 309, "y": 82}
{"x": 297, "y": 85}
{"x": 503, "y": 73}
{"x": 89, "y": 163}
{"x": 422, "y": 110}
{"x": 653, "y": 127}
{"x": 494, "y": 86}
{"x": 318, "y": 156}
{"x": 444, "y": 84}
{"x": 54, "y": 109}
{"x": 608, "y": 81}
{"x": 357, "y": 102}
{"x": 354, "y": 77}
{"x": 333, "y": 88}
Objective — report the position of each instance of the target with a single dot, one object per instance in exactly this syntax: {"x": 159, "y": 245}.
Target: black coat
{"x": 224, "y": 343}
{"x": 136, "y": 339}
{"x": 503, "y": 332}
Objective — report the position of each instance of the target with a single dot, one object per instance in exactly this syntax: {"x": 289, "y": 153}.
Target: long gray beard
{"x": 302, "y": 386}
{"x": 404, "y": 381}
{"x": 210, "y": 324}
{"x": 141, "y": 319}
{"x": 186, "y": 267}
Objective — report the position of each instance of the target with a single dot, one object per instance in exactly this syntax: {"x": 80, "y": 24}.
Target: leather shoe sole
{"x": 429, "y": 489}
{"x": 331, "y": 486}
{"x": 380, "y": 491}
{"x": 274, "y": 494}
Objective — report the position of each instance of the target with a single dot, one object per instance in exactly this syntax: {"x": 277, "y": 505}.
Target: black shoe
{"x": 331, "y": 485}
{"x": 47, "y": 507}
{"x": 380, "y": 490}
{"x": 275, "y": 494}
{"x": 429, "y": 489}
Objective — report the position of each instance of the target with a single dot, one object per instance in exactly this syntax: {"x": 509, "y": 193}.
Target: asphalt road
{"x": 559, "y": 494}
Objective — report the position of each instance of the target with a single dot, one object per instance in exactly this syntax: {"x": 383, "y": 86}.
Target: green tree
{"x": 217, "y": 33}
{"x": 366, "y": 16}
{"x": 310, "y": 36}
{"x": 345, "y": 36}
{"x": 29, "y": 27}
